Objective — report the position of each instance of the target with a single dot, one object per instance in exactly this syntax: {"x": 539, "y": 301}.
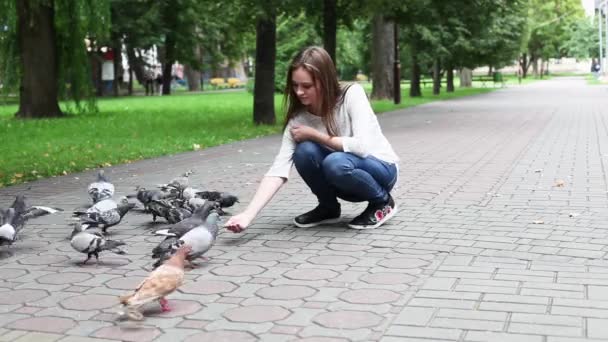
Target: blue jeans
{"x": 332, "y": 175}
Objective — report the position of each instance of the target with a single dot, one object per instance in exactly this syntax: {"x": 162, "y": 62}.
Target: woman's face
{"x": 305, "y": 89}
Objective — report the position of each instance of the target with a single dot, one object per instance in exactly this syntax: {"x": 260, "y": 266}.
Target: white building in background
{"x": 589, "y": 6}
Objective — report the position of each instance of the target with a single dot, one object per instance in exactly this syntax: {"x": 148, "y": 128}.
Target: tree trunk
{"x": 136, "y": 65}
{"x": 436, "y": 77}
{"x": 168, "y": 62}
{"x": 118, "y": 72}
{"x": 193, "y": 77}
{"x": 130, "y": 87}
{"x": 382, "y": 58}
{"x": 330, "y": 28}
{"x": 265, "y": 59}
{"x": 535, "y": 67}
{"x": 415, "y": 78}
{"x": 523, "y": 62}
{"x": 450, "y": 78}
{"x": 39, "y": 60}
{"x": 466, "y": 78}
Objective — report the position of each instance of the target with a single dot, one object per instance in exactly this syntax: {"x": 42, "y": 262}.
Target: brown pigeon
{"x": 160, "y": 283}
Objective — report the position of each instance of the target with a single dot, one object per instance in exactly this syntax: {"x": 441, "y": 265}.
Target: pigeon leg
{"x": 204, "y": 258}
{"x": 96, "y": 256}
{"x": 164, "y": 304}
{"x": 87, "y": 259}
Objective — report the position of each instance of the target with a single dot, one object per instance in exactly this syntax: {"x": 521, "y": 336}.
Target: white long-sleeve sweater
{"x": 357, "y": 126}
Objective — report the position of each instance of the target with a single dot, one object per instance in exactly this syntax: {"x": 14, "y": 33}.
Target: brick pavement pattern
{"x": 485, "y": 246}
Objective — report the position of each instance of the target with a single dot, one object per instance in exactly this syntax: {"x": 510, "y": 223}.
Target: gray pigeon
{"x": 101, "y": 189}
{"x": 14, "y": 218}
{"x": 93, "y": 243}
{"x": 200, "y": 238}
{"x": 223, "y": 198}
{"x": 104, "y": 214}
{"x": 198, "y": 218}
{"x": 145, "y": 197}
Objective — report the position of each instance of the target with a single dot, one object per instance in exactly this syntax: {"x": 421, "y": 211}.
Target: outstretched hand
{"x": 238, "y": 223}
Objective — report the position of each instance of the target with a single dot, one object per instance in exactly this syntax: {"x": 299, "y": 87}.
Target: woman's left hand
{"x": 303, "y": 133}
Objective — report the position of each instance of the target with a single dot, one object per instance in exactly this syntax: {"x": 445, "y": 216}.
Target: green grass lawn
{"x": 132, "y": 128}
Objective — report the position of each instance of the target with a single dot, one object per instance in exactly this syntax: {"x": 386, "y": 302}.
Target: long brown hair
{"x": 319, "y": 64}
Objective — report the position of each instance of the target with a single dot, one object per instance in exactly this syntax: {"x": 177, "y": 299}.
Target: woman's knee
{"x": 336, "y": 166}
{"x": 305, "y": 152}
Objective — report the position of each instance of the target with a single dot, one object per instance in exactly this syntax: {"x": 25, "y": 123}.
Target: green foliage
{"x": 583, "y": 40}
{"x": 351, "y": 44}
{"x": 288, "y": 43}
{"x": 9, "y": 50}
{"x": 550, "y": 22}
{"x": 75, "y": 20}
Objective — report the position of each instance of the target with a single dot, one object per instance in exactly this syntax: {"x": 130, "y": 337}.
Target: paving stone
{"x": 256, "y": 314}
{"x": 403, "y": 263}
{"x": 348, "y": 319}
{"x": 43, "y": 324}
{"x": 322, "y": 339}
{"x": 222, "y": 336}
{"x": 83, "y": 339}
{"x": 23, "y": 296}
{"x": 286, "y": 292}
{"x": 369, "y": 296}
{"x": 43, "y": 260}
{"x": 127, "y": 283}
{"x": 264, "y": 256}
{"x": 89, "y": 302}
{"x": 332, "y": 260}
{"x": 238, "y": 270}
{"x": 38, "y": 337}
{"x": 208, "y": 287}
{"x": 63, "y": 278}
{"x": 11, "y": 273}
{"x": 387, "y": 278}
{"x": 310, "y": 274}
{"x": 128, "y": 333}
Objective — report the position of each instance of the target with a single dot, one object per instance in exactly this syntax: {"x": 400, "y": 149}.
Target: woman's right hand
{"x": 239, "y": 222}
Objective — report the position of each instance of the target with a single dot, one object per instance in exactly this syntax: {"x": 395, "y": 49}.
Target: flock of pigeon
{"x": 193, "y": 215}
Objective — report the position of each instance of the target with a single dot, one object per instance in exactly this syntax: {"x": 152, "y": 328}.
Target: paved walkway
{"x": 484, "y": 248}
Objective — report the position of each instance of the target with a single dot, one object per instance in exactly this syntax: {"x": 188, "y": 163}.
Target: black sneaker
{"x": 317, "y": 216}
{"x": 374, "y": 215}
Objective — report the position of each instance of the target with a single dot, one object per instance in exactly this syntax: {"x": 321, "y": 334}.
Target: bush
{"x": 217, "y": 83}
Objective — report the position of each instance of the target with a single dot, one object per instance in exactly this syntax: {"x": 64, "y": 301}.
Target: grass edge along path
{"x": 127, "y": 129}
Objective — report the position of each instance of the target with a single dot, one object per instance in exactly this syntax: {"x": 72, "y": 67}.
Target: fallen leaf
{"x": 18, "y": 175}
{"x": 560, "y": 183}
{"x": 573, "y": 214}
{"x": 64, "y": 172}
{"x": 538, "y": 222}
{"x": 538, "y": 170}
{"x": 196, "y": 147}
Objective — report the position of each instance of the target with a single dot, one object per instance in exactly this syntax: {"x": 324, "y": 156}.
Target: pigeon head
{"x": 19, "y": 204}
{"x": 78, "y": 228}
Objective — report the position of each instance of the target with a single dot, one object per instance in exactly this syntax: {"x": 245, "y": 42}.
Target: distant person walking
{"x": 595, "y": 68}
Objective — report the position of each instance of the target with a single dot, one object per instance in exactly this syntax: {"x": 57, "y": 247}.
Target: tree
{"x": 583, "y": 40}
{"x": 549, "y": 22}
{"x": 44, "y": 55}
{"x": 382, "y": 57}
{"x": 265, "y": 58}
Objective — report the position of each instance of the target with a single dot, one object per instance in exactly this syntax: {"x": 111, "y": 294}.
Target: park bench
{"x": 423, "y": 82}
{"x": 484, "y": 79}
